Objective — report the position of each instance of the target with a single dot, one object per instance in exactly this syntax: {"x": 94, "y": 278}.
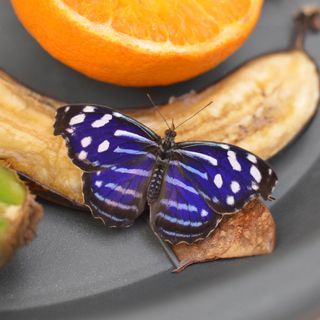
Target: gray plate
{"x": 76, "y": 269}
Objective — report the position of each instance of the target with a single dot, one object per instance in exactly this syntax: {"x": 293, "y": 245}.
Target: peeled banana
{"x": 260, "y": 107}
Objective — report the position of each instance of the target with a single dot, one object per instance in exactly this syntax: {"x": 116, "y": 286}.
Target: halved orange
{"x": 139, "y": 42}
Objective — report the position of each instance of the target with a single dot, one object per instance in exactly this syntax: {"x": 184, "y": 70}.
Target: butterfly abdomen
{"x": 155, "y": 184}
{"x": 163, "y": 159}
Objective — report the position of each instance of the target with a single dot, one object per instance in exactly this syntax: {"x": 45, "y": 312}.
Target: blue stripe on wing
{"x": 98, "y": 137}
{"x": 117, "y": 195}
{"x": 226, "y": 175}
{"x": 181, "y": 213}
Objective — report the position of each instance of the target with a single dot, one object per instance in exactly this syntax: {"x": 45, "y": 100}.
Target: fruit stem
{"x": 308, "y": 18}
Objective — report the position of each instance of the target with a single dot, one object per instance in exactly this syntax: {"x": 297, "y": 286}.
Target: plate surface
{"x": 76, "y": 269}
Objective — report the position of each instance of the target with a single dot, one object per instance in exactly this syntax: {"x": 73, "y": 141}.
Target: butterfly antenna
{"x": 206, "y": 106}
{"x": 156, "y": 109}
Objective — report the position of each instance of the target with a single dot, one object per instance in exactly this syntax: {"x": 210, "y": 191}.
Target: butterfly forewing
{"x": 117, "y": 154}
{"x": 182, "y": 213}
{"x": 98, "y": 137}
{"x": 117, "y": 194}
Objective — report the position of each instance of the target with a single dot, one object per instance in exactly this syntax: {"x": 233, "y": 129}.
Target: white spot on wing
{"x": 89, "y": 109}
{"x": 66, "y": 109}
{"x": 254, "y": 186}
{"x": 79, "y": 118}
{"x": 85, "y": 142}
{"x": 218, "y": 180}
{"x": 82, "y": 155}
{"x": 118, "y": 114}
{"x": 235, "y": 186}
{"x": 102, "y": 121}
{"x": 103, "y": 146}
{"x": 224, "y": 146}
{"x": 255, "y": 173}
{"x": 252, "y": 158}
{"x": 70, "y": 130}
{"x": 204, "y": 213}
{"x": 232, "y": 157}
{"x": 98, "y": 183}
{"x": 230, "y": 200}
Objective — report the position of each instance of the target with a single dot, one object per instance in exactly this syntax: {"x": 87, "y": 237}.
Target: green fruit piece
{"x": 19, "y": 214}
{"x": 3, "y": 224}
{"x": 12, "y": 191}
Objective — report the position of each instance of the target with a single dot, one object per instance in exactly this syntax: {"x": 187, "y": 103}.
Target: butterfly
{"x": 188, "y": 186}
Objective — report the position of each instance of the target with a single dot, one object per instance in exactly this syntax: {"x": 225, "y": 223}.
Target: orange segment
{"x": 136, "y": 42}
{"x": 179, "y": 22}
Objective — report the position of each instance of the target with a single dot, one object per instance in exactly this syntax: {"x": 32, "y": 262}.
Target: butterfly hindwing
{"x": 98, "y": 137}
{"x": 117, "y": 195}
{"x": 181, "y": 213}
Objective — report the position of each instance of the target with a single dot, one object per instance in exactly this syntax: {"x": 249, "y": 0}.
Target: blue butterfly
{"x": 188, "y": 186}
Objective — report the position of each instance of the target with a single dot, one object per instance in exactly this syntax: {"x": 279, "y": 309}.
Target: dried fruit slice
{"x": 19, "y": 214}
{"x": 248, "y": 233}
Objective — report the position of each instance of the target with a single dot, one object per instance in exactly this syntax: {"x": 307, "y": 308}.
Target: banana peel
{"x": 19, "y": 214}
{"x": 261, "y": 107}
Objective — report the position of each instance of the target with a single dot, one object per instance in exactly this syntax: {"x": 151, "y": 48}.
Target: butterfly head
{"x": 170, "y": 134}
{"x": 168, "y": 140}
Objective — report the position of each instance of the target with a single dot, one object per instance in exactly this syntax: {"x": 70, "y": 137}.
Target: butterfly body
{"x": 163, "y": 159}
{"x": 188, "y": 186}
